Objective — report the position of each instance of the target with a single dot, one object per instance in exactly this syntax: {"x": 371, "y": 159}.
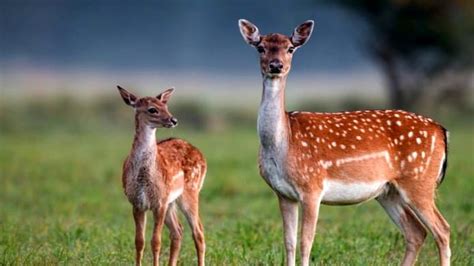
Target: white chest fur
{"x": 141, "y": 167}
{"x": 273, "y": 138}
{"x": 275, "y": 175}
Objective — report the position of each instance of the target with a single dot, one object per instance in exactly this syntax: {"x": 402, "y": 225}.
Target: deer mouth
{"x": 170, "y": 125}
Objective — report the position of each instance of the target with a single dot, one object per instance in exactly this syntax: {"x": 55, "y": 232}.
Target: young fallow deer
{"x": 394, "y": 156}
{"x": 158, "y": 175}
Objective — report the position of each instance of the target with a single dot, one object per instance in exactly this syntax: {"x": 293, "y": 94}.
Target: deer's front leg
{"x": 310, "y": 207}
{"x": 159, "y": 215}
{"x": 140, "y": 224}
{"x": 289, "y": 213}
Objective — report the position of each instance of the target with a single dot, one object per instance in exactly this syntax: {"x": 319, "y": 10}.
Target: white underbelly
{"x": 341, "y": 193}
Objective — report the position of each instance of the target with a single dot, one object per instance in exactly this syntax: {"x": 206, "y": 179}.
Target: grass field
{"x": 61, "y": 202}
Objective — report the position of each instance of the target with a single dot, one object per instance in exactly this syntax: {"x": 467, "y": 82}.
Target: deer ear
{"x": 302, "y": 33}
{"x": 249, "y": 32}
{"x": 127, "y": 96}
{"x": 165, "y": 96}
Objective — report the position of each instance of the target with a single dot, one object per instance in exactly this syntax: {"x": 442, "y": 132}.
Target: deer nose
{"x": 275, "y": 66}
{"x": 174, "y": 121}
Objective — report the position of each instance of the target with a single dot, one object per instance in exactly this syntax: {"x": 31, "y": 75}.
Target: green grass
{"x": 61, "y": 202}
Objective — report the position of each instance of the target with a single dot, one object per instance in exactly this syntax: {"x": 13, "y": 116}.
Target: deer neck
{"x": 144, "y": 149}
{"x": 272, "y": 121}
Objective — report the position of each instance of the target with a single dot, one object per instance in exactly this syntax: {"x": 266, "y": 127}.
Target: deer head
{"x": 151, "y": 111}
{"x": 276, "y": 50}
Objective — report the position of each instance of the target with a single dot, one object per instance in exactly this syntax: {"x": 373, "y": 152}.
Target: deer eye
{"x": 152, "y": 110}
{"x": 260, "y": 49}
{"x": 291, "y": 50}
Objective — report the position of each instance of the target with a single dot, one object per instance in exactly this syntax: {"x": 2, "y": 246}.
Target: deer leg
{"x": 189, "y": 203}
{"x": 310, "y": 207}
{"x": 289, "y": 214}
{"x": 140, "y": 223}
{"x": 176, "y": 234}
{"x": 409, "y": 225}
{"x": 435, "y": 222}
{"x": 159, "y": 215}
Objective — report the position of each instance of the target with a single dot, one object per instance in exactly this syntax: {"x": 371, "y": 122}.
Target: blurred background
{"x": 64, "y": 129}
{"x": 416, "y": 55}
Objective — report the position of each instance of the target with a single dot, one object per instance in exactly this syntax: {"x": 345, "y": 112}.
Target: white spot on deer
{"x": 325, "y": 164}
{"x": 320, "y": 127}
{"x": 423, "y": 154}
{"x": 410, "y": 134}
{"x": 342, "y": 146}
{"x": 334, "y": 144}
{"x": 409, "y": 158}
{"x": 418, "y": 140}
{"x": 358, "y": 137}
{"x": 389, "y": 122}
{"x": 414, "y": 155}
{"x": 396, "y": 115}
{"x": 402, "y": 137}
{"x": 383, "y": 154}
{"x": 433, "y": 139}
{"x": 304, "y": 144}
{"x": 180, "y": 174}
{"x": 353, "y": 146}
{"x": 399, "y": 123}
{"x": 402, "y": 164}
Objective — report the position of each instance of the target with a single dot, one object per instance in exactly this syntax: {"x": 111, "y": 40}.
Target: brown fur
{"x": 397, "y": 157}
{"x": 156, "y": 175}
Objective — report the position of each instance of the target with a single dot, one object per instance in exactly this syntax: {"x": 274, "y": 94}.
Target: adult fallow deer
{"x": 398, "y": 158}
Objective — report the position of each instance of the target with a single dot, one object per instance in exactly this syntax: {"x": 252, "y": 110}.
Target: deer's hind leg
{"x": 189, "y": 204}
{"x": 421, "y": 202}
{"x": 409, "y": 225}
{"x": 176, "y": 233}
